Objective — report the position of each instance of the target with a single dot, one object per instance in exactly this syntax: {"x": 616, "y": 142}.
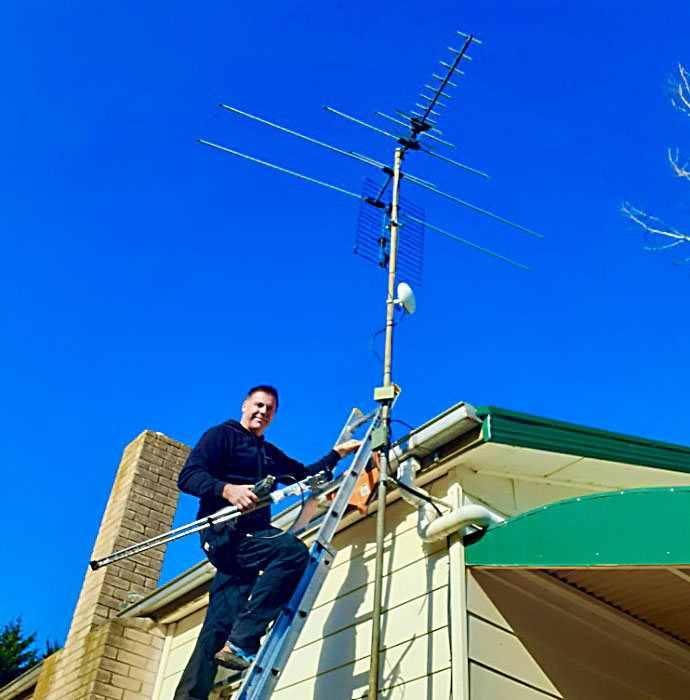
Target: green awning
{"x": 633, "y": 528}
{"x": 523, "y": 430}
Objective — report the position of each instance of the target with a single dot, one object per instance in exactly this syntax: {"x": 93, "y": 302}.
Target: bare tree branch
{"x": 656, "y": 232}
{"x": 658, "y": 235}
{"x": 680, "y": 170}
{"x": 680, "y": 91}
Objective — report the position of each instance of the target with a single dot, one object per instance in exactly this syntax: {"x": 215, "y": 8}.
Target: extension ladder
{"x": 263, "y": 675}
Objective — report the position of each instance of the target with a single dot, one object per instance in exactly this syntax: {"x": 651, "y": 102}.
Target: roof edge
{"x": 523, "y": 430}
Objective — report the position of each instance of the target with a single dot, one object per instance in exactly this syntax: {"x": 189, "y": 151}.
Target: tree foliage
{"x": 659, "y": 235}
{"x": 17, "y": 652}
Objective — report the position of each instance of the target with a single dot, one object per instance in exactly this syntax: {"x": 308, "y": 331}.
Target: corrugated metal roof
{"x": 658, "y": 597}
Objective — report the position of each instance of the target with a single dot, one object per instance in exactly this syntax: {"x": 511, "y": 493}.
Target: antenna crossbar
{"x": 452, "y": 68}
{"x": 439, "y": 77}
{"x": 463, "y": 55}
{"x": 428, "y": 111}
{"x": 433, "y": 100}
{"x": 441, "y": 94}
{"x": 468, "y": 36}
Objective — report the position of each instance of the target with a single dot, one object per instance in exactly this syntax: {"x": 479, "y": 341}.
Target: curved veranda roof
{"x": 630, "y": 549}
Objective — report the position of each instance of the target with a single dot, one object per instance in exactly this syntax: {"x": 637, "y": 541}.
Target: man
{"x": 223, "y": 468}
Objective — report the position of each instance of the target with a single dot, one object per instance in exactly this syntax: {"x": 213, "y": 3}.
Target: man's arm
{"x": 197, "y": 475}
{"x": 287, "y": 465}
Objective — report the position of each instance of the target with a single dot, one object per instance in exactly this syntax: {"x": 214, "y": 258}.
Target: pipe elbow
{"x": 454, "y": 521}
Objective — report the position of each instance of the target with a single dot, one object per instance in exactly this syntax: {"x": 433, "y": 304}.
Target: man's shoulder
{"x": 227, "y": 426}
{"x": 221, "y": 432}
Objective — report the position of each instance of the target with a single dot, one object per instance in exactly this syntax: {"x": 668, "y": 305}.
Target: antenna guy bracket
{"x": 375, "y": 203}
{"x": 409, "y": 143}
{"x": 419, "y": 125}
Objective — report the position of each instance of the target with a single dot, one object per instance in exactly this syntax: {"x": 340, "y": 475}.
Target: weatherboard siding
{"x": 333, "y": 651}
{"x": 182, "y": 636}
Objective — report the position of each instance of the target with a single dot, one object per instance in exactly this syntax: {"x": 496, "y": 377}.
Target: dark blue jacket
{"x": 229, "y": 454}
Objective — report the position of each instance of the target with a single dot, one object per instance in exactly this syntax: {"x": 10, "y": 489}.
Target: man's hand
{"x": 347, "y": 447}
{"x": 240, "y": 495}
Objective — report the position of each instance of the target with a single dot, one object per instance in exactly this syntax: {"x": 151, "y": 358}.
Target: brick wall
{"x": 106, "y": 658}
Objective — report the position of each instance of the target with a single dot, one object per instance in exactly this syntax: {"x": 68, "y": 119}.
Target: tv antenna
{"x": 419, "y": 128}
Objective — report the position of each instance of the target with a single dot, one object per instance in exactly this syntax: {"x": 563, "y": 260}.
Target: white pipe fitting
{"x": 431, "y": 526}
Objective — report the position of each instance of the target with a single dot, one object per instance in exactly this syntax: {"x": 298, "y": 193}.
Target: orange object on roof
{"x": 365, "y": 485}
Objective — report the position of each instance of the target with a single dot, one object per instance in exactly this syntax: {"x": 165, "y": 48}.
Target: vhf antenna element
{"x": 384, "y": 215}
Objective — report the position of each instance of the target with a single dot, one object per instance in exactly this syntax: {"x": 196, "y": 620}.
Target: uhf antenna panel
{"x": 373, "y": 233}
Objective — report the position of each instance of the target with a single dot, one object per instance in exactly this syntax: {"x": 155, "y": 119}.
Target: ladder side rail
{"x": 342, "y": 498}
{"x": 352, "y": 423}
{"x": 285, "y": 632}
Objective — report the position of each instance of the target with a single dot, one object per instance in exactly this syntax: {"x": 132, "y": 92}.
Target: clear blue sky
{"x": 148, "y": 280}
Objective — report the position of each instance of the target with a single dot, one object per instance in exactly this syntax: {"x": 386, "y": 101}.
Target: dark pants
{"x": 232, "y": 614}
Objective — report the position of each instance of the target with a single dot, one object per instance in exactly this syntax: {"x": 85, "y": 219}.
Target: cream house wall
{"x": 332, "y": 654}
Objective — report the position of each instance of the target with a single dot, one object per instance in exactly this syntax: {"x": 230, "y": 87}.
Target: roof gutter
{"x": 428, "y": 438}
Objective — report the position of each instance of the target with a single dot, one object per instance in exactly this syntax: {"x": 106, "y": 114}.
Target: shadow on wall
{"x": 558, "y": 648}
{"x": 340, "y": 632}
{"x": 347, "y": 629}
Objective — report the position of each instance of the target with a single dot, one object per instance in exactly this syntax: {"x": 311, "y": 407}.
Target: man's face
{"x": 258, "y": 411}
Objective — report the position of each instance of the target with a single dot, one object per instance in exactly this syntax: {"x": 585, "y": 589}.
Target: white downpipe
{"x": 431, "y": 526}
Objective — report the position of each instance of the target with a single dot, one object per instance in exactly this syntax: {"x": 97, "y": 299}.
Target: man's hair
{"x": 267, "y": 389}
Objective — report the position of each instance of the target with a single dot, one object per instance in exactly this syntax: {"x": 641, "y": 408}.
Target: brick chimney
{"x": 142, "y": 504}
{"x": 115, "y": 658}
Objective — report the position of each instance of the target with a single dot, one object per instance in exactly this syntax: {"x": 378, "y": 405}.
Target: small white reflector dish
{"x": 406, "y": 298}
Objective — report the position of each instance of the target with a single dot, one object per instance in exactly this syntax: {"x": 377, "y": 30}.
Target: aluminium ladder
{"x": 263, "y": 675}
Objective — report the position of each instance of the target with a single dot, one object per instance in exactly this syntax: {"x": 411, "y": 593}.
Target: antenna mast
{"x": 417, "y": 123}
{"x": 387, "y": 395}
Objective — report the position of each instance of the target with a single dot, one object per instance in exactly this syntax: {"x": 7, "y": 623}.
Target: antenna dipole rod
{"x": 385, "y": 421}
{"x": 454, "y": 162}
{"x": 351, "y": 154}
{"x": 469, "y": 243}
{"x": 359, "y": 121}
{"x": 478, "y": 209}
{"x": 286, "y": 171}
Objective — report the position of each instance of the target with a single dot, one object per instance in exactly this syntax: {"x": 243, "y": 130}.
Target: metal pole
{"x": 385, "y": 419}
